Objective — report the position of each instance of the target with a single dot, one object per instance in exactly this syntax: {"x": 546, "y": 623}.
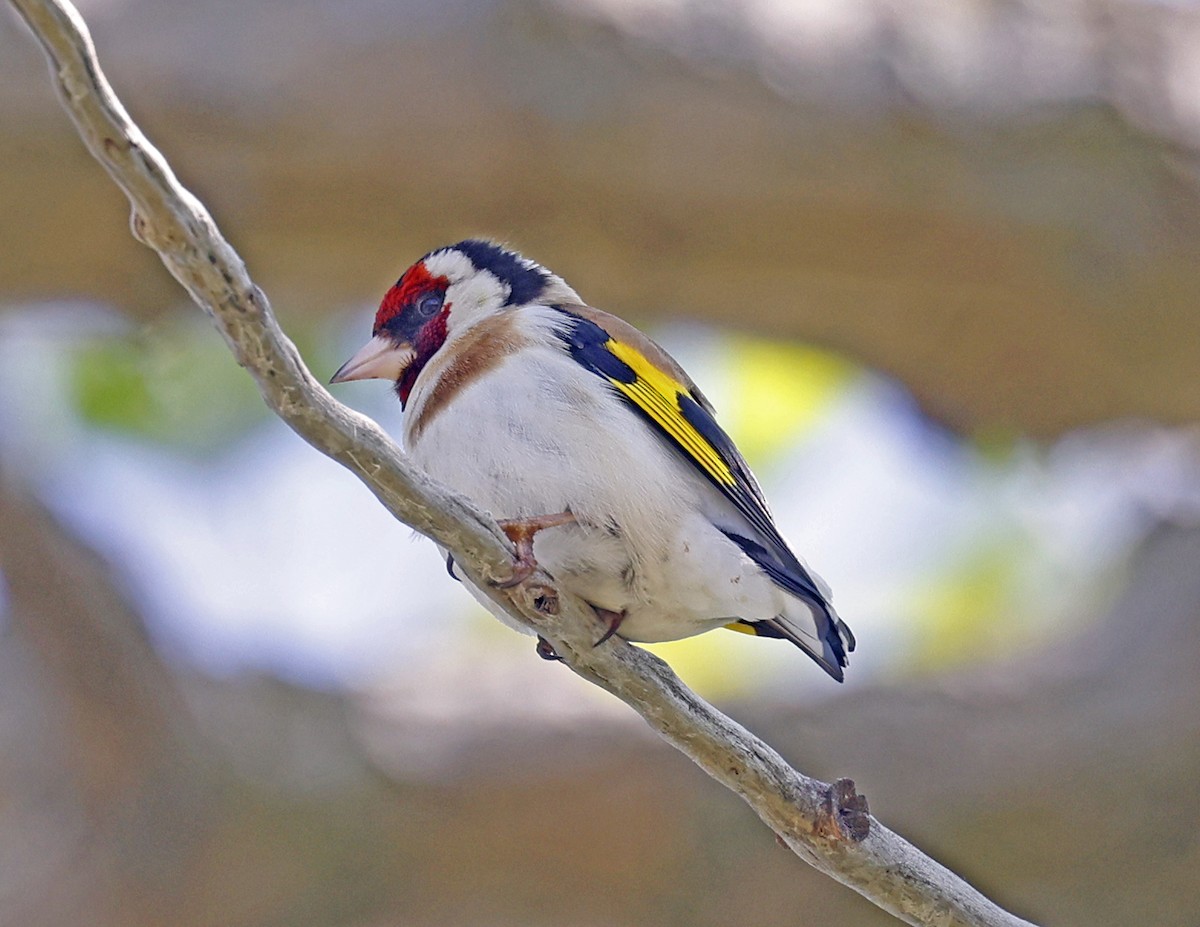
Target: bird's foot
{"x": 546, "y": 650}
{"x": 612, "y": 621}
{"x": 521, "y": 532}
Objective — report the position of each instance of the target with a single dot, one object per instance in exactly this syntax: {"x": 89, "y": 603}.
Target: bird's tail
{"x": 816, "y": 629}
{"x": 812, "y": 626}
{"x": 808, "y": 620}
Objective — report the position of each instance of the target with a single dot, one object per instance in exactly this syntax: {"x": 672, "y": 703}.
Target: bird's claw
{"x": 521, "y": 532}
{"x": 611, "y": 619}
{"x": 523, "y": 567}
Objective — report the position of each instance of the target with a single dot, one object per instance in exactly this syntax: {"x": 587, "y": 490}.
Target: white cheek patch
{"x": 473, "y": 293}
{"x": 453, "y": 265}
{"x": 480, "y": 294}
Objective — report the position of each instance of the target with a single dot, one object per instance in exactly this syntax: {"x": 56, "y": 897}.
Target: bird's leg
{"x": 521, "y": 531}
{"x": 611, "y": 619}
{"x": 546, "y": 650}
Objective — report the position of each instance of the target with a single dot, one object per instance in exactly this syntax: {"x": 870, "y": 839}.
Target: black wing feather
{"x": 590, "y": 345}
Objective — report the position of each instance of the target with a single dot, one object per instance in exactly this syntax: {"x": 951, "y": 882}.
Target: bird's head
{"x": 439, "y": 297}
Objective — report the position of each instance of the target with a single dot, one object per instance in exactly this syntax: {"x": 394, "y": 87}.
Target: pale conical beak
{"x": 380, "y": 358}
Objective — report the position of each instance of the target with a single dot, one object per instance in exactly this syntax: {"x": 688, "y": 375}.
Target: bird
{"x": 597, "y": 454}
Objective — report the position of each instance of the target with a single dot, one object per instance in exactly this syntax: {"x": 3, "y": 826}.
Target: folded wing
{"x": 658, "y": 389}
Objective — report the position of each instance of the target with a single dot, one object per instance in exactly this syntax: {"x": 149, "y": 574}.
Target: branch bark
{"x": 826, "y": 825}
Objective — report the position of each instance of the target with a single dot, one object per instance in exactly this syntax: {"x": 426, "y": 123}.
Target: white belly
{"x": 536, "y": 438}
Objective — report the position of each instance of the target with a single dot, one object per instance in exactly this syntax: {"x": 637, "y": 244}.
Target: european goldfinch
{"x": 601, "y": 457}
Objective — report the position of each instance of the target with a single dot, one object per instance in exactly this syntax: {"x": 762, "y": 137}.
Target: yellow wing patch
{"x": 657, "y": 394}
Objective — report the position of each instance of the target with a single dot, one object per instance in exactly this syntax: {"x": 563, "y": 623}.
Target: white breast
{"x": 537, "y": 434}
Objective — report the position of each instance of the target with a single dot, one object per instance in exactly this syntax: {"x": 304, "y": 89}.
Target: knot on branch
{"x": 545, "y": 599}
{"x": 844, "y": 814}
{"x": 140, "y": 228}
{"x": 150, "y": 232}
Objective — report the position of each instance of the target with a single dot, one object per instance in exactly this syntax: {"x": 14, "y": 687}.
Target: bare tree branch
{"x": 827, "y": 826}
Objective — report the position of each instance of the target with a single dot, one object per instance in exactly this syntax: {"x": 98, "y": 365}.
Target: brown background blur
{"x": 994, "y": 202}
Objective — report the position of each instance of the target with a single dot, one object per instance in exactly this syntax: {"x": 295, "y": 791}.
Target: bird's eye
{"x": 429, "y": 304}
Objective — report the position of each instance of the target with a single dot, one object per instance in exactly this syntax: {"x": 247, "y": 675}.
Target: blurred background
{"x": 936, "y": 264}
